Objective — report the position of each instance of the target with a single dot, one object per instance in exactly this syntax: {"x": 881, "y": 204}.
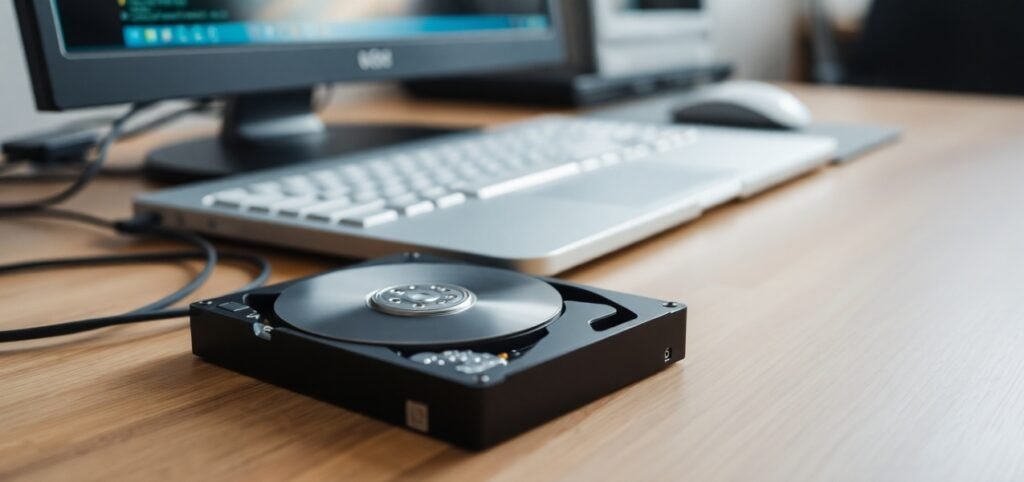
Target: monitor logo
{"x": 376, "y": 59}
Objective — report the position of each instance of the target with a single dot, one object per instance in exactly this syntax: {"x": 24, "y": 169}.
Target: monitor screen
{"x": 132, "y": 25}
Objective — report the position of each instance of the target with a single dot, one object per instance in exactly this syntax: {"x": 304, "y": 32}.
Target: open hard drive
{"x": 468, "y": 354}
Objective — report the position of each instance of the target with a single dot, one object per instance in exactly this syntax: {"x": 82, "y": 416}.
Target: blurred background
{"x": 953, "y": 45}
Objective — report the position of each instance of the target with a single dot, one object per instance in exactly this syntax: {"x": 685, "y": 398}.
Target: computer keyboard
{"x": 475, "y": 168}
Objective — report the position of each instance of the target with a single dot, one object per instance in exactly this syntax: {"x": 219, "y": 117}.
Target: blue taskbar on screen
{"x": 249, "y": 33}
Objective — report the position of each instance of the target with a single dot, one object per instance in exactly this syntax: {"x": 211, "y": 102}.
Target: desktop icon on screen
{"x": 182, "y": 34}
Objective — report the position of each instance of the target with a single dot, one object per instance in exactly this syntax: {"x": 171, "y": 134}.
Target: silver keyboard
{"x": 475, "y": 168}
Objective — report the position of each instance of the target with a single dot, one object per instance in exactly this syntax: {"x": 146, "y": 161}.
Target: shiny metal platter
{"x": 419, "y": 304}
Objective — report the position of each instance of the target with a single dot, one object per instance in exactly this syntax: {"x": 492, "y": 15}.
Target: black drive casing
{"x": 601, "y": 343}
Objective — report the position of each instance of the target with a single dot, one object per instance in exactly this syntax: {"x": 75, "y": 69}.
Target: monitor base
{"x": 214, "y": 157}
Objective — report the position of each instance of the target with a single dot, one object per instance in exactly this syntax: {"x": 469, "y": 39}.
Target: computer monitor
{"x": 264, "y": 57}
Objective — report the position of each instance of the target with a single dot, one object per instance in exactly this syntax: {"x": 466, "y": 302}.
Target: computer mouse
{"x": 744, "y": 104}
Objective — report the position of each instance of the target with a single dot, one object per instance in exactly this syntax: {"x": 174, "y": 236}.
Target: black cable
{"x": 65, "y": 215}
{"x": 87, "y": 175}
{"x": 39, "y": 177}
{"x": 114, "y": 260}
{"x": 209, "y": 253}
{"x": 140, "y": 226}
{"x": 74, "y": 171}
{"x": 145, "y": 227}
{"x": 79, "y": 326}
{"x": 66, "y": 175}
{"x": 261, "y": 264}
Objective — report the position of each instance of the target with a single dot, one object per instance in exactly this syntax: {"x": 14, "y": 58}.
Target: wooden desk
{"x": 862, "y": 323}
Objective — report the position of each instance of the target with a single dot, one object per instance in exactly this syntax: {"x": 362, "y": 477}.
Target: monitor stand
{"x": 269, "y": 130}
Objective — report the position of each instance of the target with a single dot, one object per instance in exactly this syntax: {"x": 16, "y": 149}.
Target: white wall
{"x": 757, "y": 35}
{"x": 848, "y": 10}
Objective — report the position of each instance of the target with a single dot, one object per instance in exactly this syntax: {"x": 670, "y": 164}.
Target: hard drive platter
{"x": 429, "y": 304}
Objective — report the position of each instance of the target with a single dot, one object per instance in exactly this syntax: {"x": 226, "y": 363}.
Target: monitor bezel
{"x": 62, "y": 81}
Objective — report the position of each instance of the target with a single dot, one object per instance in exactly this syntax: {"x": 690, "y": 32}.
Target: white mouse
{"x": 744, "y": 104}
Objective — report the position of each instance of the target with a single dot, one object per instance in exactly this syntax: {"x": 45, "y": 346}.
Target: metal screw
{"x": 670, "y": 304}
{"x": 262, "y": 331}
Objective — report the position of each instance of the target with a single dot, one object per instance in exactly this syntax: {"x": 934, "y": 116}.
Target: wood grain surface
{"x": 862, "y": 323}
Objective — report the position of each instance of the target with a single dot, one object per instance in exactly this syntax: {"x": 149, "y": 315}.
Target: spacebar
{"x": 520, "y": 180}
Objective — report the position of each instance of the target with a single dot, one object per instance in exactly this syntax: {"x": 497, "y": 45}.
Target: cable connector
{"x": 54, "y": 148}
{"x": 140, "y": 224}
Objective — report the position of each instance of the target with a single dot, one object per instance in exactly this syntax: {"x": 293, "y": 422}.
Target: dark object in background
{"x": 953, "y": 45}
{"x": 566, "y": 88}
{"x": 53, "y": 148}
{"x": 616, "y": 49}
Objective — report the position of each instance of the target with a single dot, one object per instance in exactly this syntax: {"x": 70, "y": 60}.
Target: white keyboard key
{"x": 361, "y": 186}
{"x": 291, "y": 205}
{"x": 255, "y": 201}
{"x": 637, "y": 152}
{"x": 611, "y": 159}
{"x": 336, "y": 193}
{"x": 403, "y": 199}
{"x": 266, "y": 188}
{"x": 366, "y": 196}
{"x": 354, "y": 210}
{"x": 324, "y": 175}
{"x": 371, "y": 219}
{"x": 297, "y": 180}
{"x": 590, "y": 164}
{"x": 520, "y": 181}
{"x": 664, "y": 145}
{"x": 231, "y": 198}
{"x": 589, "y": 148}
{"x": 329, "y": 185}
{"x": 393, "y": 191}
{"x": 412, "y": 207}
{"x": 299, "y": 189}
{"x": 322, "y": 207}
{"x": 450, "y": 200}
{"x": 433, "y": 192}
{"x": 421, "y": 184}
